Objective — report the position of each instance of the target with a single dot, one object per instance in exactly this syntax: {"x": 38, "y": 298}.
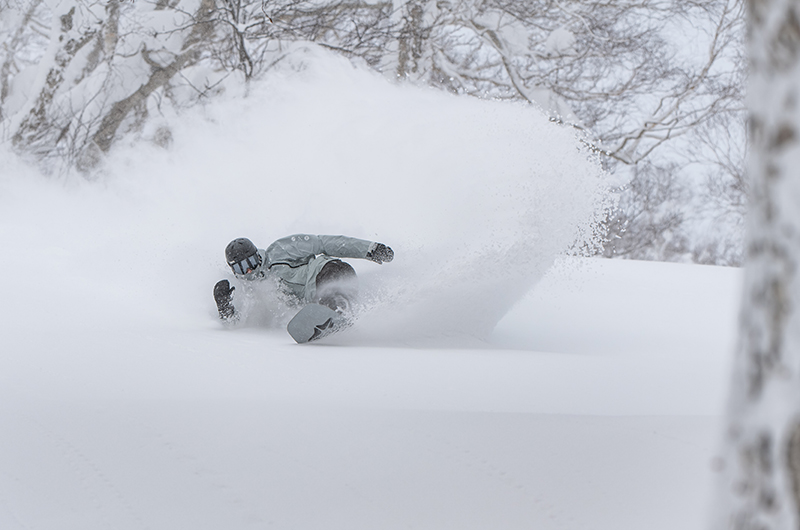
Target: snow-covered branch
{"x": 77, "y": 75}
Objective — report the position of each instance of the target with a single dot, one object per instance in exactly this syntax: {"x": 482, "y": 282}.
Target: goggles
{"x": 248, "y": 264}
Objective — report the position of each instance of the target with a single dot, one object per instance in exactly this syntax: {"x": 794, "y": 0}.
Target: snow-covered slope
{"x": 126, "y": 405}
{"x": 611, "y": 426}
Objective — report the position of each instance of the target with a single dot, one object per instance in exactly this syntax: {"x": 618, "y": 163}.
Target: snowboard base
{"x": 313, "y": 322}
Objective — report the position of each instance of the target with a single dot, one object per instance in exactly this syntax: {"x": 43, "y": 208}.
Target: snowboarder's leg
{"x": 337, "y": 286}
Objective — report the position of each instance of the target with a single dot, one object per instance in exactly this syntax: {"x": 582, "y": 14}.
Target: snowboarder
{"x": 307, "y": 269}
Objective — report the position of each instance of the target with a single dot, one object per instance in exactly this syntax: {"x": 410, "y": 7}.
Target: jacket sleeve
{"x": 298, "y": 249}
{"x": 344, "y": 247}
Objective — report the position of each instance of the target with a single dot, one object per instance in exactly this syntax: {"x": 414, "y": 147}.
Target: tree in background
{"x": 75, "y": 73}
{"x": 760, "y": 485}
{"x": 670, "y": 125}
{"x": 80, "y": 75}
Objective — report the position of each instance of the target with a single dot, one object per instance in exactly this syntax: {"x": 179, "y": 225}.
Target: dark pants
{"x": 337, "y": 285}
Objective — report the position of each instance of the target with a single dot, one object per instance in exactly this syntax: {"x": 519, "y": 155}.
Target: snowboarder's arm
{"x": 298, "y": 249}
{"x": 343, "y": 246}
{"x": 350, "y": 247}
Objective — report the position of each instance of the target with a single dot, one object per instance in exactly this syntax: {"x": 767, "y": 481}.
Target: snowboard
{"x": 313, "y": 322}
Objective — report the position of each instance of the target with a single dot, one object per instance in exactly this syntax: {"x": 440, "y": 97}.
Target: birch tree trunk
{"x": 760, "y": 486}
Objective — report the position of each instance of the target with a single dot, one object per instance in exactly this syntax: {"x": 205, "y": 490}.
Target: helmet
{"x": 241, "y": 255}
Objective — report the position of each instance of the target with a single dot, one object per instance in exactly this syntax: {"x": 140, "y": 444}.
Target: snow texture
{"x": 560, "y": 42}
{"x": 457, "y": 401}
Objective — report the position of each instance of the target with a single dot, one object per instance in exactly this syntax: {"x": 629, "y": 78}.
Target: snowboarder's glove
{"x": 379, "y": 253}
{"x": 223, "y": 292}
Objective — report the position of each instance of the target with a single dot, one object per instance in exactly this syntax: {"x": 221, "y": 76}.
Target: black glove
{"x": 380, "y": 253}
{"x": 223, "y": 292}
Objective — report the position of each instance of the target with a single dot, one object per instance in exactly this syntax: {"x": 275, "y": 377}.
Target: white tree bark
{"x": 760, "y": 485}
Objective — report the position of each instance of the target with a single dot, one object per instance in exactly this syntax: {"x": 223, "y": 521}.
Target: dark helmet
{"x": 241, "y": 255}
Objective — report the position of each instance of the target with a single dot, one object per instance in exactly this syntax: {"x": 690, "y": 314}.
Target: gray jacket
{"x": 294, "y": 261}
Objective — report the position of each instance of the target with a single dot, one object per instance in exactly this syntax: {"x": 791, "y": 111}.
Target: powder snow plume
{"x": 477, "y": 199}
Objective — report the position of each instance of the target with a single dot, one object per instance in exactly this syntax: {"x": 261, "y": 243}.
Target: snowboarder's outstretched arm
{"x": 350, "y": 247}
{"x": 298, "y": 249}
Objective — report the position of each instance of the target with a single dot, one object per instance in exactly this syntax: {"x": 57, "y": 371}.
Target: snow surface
{"x": 492, "y": 384}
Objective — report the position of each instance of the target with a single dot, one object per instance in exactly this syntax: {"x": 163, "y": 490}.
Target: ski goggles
{"x": 246, "y": 265}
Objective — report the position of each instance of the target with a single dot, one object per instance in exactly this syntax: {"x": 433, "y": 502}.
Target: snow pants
{"x": 337, "y": 285}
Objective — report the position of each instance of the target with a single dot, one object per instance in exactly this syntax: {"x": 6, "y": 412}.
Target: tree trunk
{"x": 412, "y": 39}
{"x": 159, "y": 76}
{"x": 66, "y": 41}
{"x": 760, "y": 486}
